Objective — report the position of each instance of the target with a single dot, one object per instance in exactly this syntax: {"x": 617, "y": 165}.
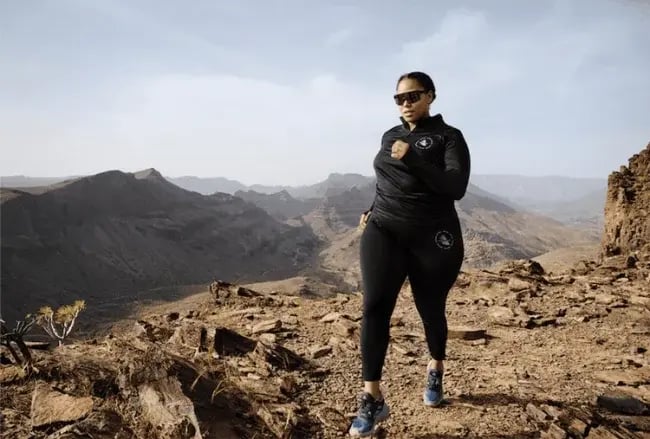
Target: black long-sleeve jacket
{"x": 433, "y": 173}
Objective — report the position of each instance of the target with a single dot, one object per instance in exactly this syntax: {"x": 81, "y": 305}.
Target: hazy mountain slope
{"x": 335, "y": 183}
{"x": 493, "y": 231}
{"x": 527, "y": 190}
{"x": 280, "y": 205}
{"x": 589, "y": 207}
{"x": 113, "y": 233}
{"x": 207, "y": 186}
{"x": 24, "y": 181}
{"x": 573, "y": 201}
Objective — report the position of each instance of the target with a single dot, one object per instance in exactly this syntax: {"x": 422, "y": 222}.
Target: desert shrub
{"x": 64, "y": 318}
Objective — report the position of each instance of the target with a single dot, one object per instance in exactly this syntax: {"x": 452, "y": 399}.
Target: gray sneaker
{"x": 371, "y": 412}
{"x": 433, "y": 393}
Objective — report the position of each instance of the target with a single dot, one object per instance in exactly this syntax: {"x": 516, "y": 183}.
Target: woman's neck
{"x": 414, "y": 124}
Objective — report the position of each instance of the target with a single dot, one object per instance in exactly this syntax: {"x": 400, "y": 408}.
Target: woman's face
{"x": 413, "y": 102}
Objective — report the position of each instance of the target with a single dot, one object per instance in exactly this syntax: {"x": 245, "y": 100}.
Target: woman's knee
{"x": 377, "y": 309}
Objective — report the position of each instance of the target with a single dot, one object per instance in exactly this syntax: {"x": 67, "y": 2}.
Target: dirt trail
{"x": 530, "y": 355}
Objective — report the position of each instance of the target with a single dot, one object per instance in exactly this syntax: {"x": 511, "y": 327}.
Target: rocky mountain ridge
{"x": 116, "y": 233}
{"x": 280, "y": 205}
{"x": 574, "y": 201}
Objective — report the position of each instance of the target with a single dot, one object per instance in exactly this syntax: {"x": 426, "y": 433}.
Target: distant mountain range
{"x": 493, "y": 230}
{"x": 574, "y": 201}
{"x": 118, "y": 231}
{"x": 525, "y": 190}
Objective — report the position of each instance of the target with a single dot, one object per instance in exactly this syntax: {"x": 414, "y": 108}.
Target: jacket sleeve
{"x": 454, "y": 178}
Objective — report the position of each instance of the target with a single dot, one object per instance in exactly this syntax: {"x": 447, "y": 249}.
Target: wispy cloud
{"x": 540, "y": 93}
{"x": 217, "y": 88}
{"x": 223, "y": 125}
{"x": 339, "y": 37}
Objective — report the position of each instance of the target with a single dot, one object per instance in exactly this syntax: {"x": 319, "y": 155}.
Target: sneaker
{"x": 433, "y": 391}
{"x": 371, "y": 412}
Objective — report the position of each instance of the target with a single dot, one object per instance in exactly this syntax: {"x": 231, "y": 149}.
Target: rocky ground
{"x": 531, "y": 354}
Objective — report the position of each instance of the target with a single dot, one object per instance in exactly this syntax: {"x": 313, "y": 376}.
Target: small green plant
{"x": 15, "y": 336}
{"x": 65, "y": 316}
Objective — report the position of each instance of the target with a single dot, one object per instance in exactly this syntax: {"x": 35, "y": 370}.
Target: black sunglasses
{"x": 410, "y": 96}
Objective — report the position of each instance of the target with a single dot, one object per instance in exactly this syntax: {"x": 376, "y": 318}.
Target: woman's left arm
{"x": 454, "y": 178}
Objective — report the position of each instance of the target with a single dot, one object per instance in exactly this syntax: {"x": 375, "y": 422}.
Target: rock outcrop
{"x": 627, "y": 227}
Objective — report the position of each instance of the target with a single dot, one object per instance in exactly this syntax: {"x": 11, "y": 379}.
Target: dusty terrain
{"x": 541, "y": 350}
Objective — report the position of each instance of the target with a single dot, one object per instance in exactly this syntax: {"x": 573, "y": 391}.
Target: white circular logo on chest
{"x": 424, "y": 143}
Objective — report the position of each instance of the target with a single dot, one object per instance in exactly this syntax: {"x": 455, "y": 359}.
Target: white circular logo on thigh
{"x": 444, "y": 239}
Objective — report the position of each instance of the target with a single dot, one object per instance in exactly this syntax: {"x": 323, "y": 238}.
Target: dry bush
{"x": 65, "y": 316}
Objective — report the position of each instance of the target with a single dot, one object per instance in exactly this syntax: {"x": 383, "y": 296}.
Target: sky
{"x": 287, "y": 92}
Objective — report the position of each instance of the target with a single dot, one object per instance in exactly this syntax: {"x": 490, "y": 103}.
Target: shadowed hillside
{"x": 115, "y": 233}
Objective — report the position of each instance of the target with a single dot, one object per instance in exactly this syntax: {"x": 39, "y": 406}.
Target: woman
{"x": 412, "y": 229}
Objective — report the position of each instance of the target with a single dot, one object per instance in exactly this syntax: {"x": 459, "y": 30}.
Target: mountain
{"x": 202, "y": 185}
{"x": 207, "y": 186}
{"x": 21, "y": 181}
{"x": 586, "y": 211}
{"x": 492, "y": 236}
{"x": 116, "y": 233}
{"x": 573, "y": 201}
{"x": 493, "y": 231}
{"x": 529, "y": 190}
{"x": 333, "y": 184}
{"x": 280, "y": 205}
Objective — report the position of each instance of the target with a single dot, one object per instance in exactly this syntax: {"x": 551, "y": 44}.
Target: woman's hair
{"x": 422, "y": 78}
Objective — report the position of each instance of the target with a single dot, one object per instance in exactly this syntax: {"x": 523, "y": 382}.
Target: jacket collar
{"x": 427, "y": 121}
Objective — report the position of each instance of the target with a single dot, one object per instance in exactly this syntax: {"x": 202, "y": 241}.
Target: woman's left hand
{"x": 399, "y": 149}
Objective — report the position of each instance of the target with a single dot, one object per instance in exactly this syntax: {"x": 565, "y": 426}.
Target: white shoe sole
{"x": 431, "y": 404}
{"x": 382, "y": 416}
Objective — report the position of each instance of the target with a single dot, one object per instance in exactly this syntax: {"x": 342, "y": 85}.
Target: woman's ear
{"x": 432, "y": 97}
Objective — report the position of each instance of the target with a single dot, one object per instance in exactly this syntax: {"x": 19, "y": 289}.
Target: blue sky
{"x": 286, "y": 92}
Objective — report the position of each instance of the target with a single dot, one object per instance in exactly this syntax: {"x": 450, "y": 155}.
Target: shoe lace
{"x": 434, "y": 380}
{"x": 367, "y": 407}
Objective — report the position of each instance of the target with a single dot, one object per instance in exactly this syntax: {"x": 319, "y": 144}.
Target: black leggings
{"x": 431, "y": 257}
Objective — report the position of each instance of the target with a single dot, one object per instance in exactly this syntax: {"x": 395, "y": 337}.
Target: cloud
{"x": 236, "y": 126}
{"x": 340, "y": 37}
{"x": 537, "y": 95}
{"x": 463, "y": 56}
{"x": 534, "y": 90}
